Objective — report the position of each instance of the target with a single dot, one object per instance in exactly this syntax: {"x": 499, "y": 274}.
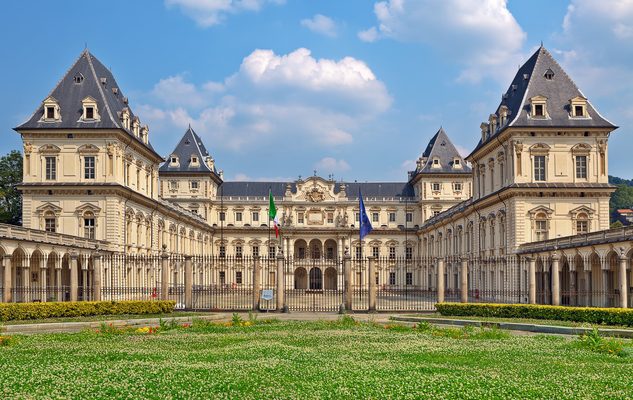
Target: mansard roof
{"x": 441, "y": 148}
{"x": 529, "y": 82}
{"x": 87, "y": 77}
{"x": 190, "y": 145}
{"x": 278, "y": 189}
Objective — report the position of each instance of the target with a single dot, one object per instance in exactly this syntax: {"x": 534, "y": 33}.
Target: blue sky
{"x": 355, "y": 88}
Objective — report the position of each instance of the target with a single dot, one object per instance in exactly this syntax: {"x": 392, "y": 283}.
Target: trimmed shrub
{"x": 22, "y": 311}
{"x": 593, "y": 315}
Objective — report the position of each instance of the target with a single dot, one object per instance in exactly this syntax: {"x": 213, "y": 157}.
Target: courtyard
{"x": 344, "y": 358}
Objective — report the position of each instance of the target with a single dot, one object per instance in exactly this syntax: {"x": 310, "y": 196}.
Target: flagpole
{"x": 270, "y": 194}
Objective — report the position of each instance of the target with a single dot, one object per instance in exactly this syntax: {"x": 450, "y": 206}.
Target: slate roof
{"x": 109, "y": 97}
{"x": 441, "y": 147}
{"x": 529, "y": 82}
{"x": 368, "y": 189}
{"x": 190, "y": 144}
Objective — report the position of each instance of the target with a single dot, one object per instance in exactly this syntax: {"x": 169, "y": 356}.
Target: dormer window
{"x": 578, "y": 107}
{"x": 457, "y": 163}
{"x": 549, "y": 74}
{"x": 173, "y": 160}
{"x": 145, "y": 134}
{"x": 539, "y": 107}
{"x": 436, "y": 163}
{"x": 90, "y": 110}
{"x": 78, "y": 78}
{"x": 136, "y": 125}
{"x": 51, "y": 110}
{"x": 194, "y": 159}
{"x": 125, "y": 118}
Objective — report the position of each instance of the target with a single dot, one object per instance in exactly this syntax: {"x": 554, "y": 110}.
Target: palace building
{"x": 539, "y": 172}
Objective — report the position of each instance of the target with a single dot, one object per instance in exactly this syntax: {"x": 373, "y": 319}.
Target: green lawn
{"x": 309, "y": 360}
{"x": 93, "y": 318}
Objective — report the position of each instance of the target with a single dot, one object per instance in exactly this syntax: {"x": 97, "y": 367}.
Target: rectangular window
{"x": 271, "y": 251}
{"x": 90, "y": 113}
{"x": 538, "y": 110}
{"x": 238, "y": 251}
{"x": 374, "y": 217}
{"x": 392, "y": 278}
{"x": 541, "y": 230}
{"x": 357, "y": 217}
{"x": 409, "y": 278}
{"x": 375, "y": 251}
{"x": 579, "y": 111}
{"x": 330, "y": 218}
{"x": 437, "y": 187}
{"x": 89, "y": 228}
{"x": 238, "y": 216}
{"x": 457, "y": 186}
{"x": 51, "y": 168}
{"x": 408, "y": 252}
{"x": 255, "y": 216}
{"x": 581, "y": 167}
{"x": 409, "y": 217}
{"x": 436, "y": 212}
{"x": 222, "y": 251}
{"x": 358, "y": 252}
{"x": 300, "y": 218}
{"x": 539, "y": 168}
{"x": 582, "y": 227}
{"x": 49, "y": 224}
{"x": 392, "y": 217}
{"x": 222, "y": 277}
{"x": 302, "y": 253}
{"x": 255, "y": 251}
{"x": 392, "y": 253}
{"x": 173, "y": 185}
{"x": 89, "y": 167}
{"x": 222, "y": 216}
{"x": 194, "y": 185}
{"x": 50, "y": 112}
{"x": 238, "y": 277}
{"x": 329, "y": 253}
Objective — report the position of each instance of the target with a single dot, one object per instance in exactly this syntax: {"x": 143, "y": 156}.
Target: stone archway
{"x": 316, "y": 279}
{"x": 316, "y": 249}
{"x": 300, "y": 249}
{"x": 331, "y": 250}
{"x": 330, "y": 279}
{"x": 301, "y": 278}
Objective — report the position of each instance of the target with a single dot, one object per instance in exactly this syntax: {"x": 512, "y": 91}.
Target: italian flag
{"x": 272, "y": 213}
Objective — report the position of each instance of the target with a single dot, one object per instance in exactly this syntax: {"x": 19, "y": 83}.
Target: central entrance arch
{"x": 301, "y": 278}
{"x": 330, "y": 279}
{"x": 316, "y": 279}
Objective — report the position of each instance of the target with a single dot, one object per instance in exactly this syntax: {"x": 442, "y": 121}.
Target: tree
{"x": 10, "y": 197}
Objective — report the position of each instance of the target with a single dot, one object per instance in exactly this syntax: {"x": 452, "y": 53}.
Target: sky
{"x": 354, "y": 89}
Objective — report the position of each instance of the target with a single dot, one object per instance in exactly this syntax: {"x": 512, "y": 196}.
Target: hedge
{"x": 593, "y": 315}
{"x": 22, "y": 311}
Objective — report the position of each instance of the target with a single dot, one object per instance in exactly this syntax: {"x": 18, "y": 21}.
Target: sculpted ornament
{"x": 315, "y": 195}
{"x": 28, "y": 147}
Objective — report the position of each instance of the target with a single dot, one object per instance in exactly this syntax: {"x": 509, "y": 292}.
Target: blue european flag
{"x": 365, "y": 225}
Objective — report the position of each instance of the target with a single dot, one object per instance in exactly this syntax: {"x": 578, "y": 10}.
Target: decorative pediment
{"x": 48, "y": 207}
{"x": 540, "y": 147}
{"x": 582, "y": 210}
{"x": 581, "y": 148}
{"x": 87, "y": 207}
{"x": 88, "y": 149}
{"x": 541, "y": 209}
{"x": 538, "y": 99}
{"x": 49, "y": 149}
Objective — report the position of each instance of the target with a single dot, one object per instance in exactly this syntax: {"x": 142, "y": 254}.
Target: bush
{"x": 23, "y": 311}
{"x": 594, "y": 342}
{"x": 592, "y": 315}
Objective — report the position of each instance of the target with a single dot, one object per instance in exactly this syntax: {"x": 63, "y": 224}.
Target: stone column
{"x": 622, "y": 281}
{"x": 257, "y": 283}
{"x": 96, "y": 277}
{"x": 464, "y": 281}
{"x": 74, "y": 276}
{"x": 440, "y": 280}
{"x": 281, "y": 284}
{"x": 43, "y": 282}
{"x": 555, "y": 279}
{"x": 164, "y": 275}
{"x": 58, "y": 280}
{"x": 531, "y": 280}
{"x": 372, "y": 283}
{"x": 347, "y": 281}
{"x": 6, "y": 296}
{"x": 188, "y": 283}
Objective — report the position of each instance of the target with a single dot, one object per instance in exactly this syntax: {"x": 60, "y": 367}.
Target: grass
{"x": 521, "y": 321}
{"x": 93, "y": 318}
{"x": 257, "y": 358}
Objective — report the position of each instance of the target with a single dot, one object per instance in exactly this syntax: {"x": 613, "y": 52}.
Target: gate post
{"x": 281, "y": 284}
{"x": 164, "y": 274}
{"x": 532, "y": 280}
{"x": 347, "y": 271}
{"x": 464, "y": 280}
{"x": 555, "y": 279}
{"x": 372, "y": 283}
{"x": 188, "y": 283}
{"x": 257, "y": 282}
{"x": 74, "y": 276}
{"x": 96, "y": 276}
{"x": 622, "y": 280}
{"x": 440, "y": 280}
{"x": 6, "y": 261}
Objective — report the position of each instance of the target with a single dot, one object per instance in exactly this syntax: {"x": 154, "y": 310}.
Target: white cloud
{"x": 292, "y": 99}
{"x": 331, "y": 164}
{"x": 481, "y": 35}
{"x": 369, "y": 35}
{"x": 212, "y": 12}
{"x": 320, "y": 24}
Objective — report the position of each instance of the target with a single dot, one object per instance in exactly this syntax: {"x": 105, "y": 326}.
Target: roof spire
{"x": 541, "y": 44}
